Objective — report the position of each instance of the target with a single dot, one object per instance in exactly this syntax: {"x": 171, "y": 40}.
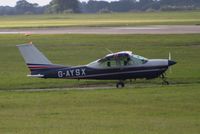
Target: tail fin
{"x": 32, "y": 55}
{"x": 35, "y": 60}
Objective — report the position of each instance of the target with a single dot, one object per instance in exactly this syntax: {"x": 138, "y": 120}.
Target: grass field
{"x": 144, "y": 107}
{"x": 158, "y": 110}
{"x": 114, "y": 19}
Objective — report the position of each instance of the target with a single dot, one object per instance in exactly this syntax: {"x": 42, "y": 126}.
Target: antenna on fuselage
{"x": 109, "y": 51}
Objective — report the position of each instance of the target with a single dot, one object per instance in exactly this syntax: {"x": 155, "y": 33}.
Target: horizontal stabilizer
{"x": 36, "y": 76}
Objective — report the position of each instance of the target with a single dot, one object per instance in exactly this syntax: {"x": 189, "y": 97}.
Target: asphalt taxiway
{"x": 155, "y": 29}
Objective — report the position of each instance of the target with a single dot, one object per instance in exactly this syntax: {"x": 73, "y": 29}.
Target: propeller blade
{"x": 170, "y": 70}
{"x": 170, "y": 56}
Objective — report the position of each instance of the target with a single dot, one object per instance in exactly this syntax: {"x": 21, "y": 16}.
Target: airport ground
{"x": 153, "y": 29}
{"x": 142, "y": 107}
{"x": 63, "y": 106}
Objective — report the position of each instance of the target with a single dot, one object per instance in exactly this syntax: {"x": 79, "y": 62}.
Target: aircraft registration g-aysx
{"x": 115, "y": 66}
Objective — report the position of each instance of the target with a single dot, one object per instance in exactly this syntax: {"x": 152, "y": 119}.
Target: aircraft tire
{"x": 120, "y": 84}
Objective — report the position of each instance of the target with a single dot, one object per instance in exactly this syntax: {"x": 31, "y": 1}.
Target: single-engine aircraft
{"x": 118, "y": 66}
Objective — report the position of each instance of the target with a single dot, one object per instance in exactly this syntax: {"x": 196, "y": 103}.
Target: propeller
{"x": 170, "y": 57}
{"x": 170, "y": 62}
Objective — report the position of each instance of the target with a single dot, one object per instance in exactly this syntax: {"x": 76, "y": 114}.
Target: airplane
{"x": 118, "y": 66}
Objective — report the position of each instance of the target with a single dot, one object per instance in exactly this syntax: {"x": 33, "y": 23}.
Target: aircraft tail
{"x": 35, "y": 60}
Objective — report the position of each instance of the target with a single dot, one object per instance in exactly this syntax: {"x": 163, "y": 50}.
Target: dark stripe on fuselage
{"x": 108, "y": 73}
{"x": 37, "y": 68}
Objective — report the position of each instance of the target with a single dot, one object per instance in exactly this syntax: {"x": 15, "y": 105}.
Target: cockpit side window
{"x": 110, "y": 63}
{"x": 118, "y": 61}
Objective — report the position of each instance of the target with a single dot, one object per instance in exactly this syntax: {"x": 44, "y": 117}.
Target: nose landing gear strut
{"x": 164, "y": 79}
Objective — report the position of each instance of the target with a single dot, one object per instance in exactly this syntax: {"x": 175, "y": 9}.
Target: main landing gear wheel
{"x": 120, "y": 84}
{"x": 165, "y": 82}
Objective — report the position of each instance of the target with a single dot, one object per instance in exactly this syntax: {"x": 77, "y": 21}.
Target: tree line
{"x": 102, "y": 6}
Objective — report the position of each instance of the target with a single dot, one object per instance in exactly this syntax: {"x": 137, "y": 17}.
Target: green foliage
{"x": 24, "y": 7}
{"x": 105, "y": 10}
{"x": 59, "y": 6}
{"x": 95, "y": 6}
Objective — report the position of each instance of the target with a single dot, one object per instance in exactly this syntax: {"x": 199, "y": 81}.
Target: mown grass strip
{"x": 113, "y": 19}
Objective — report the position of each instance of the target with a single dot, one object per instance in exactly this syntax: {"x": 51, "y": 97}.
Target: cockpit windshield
{"x": 118, "y": 60}
{"x": 136, "y": 59}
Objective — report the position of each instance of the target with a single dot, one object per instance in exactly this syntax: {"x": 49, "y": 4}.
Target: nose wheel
{"x": 164, "y": 79}
{"x": 120, "y": 84}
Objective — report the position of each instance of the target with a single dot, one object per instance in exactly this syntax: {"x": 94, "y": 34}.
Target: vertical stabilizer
{"x": 38, "y": 64}
{"x": 32, "y": 55}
